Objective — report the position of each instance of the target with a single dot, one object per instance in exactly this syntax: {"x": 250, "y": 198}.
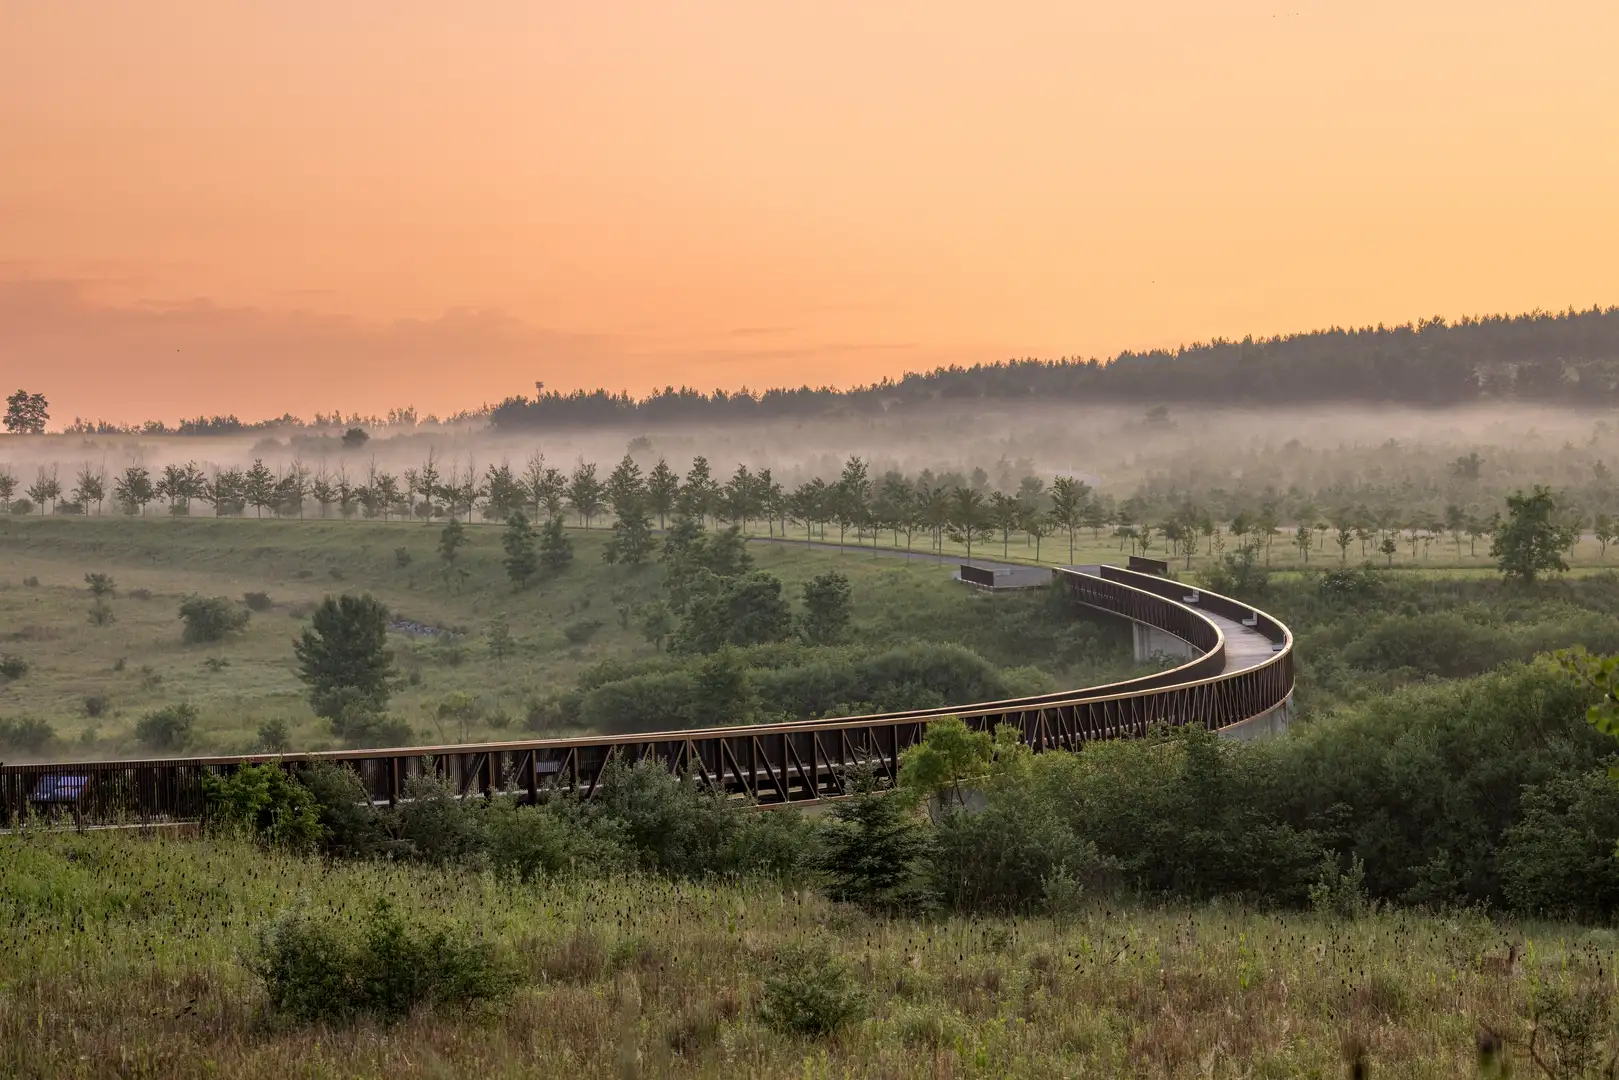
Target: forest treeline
{"x": 1569, "y": 357}
{"x": 1553, "y": 358}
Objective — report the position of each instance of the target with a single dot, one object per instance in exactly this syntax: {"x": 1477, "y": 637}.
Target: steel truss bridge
{"x": 1237, "y": 678}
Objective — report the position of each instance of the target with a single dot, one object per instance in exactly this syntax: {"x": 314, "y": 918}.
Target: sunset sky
{"x": 255, "y": 207}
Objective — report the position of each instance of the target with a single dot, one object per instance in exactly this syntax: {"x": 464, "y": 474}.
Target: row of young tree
{"x": 926, "y": 507}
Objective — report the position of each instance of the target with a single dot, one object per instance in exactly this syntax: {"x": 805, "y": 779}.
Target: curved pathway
{"x": 1237, "y": 677}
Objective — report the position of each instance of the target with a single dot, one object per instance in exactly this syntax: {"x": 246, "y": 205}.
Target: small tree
{"x": 875, "y": 847}
{"x": 26, "y": 414}
{"x": 210, "y": 618}
{"x": 556, "y": 550}
{"x": 1530, "y": 542}
{"x": 343, "y": 657}
{"x": 450, "y": 541}
{"x": 354, "y": 438}
{"x": 827, "y": 608}
{"x": 522, "y": 562}
{"x": 948, "y": 754}
{"x": 657, "y": 623}
{"x": 101, "y": 586}
{"x": 1605, "y": 532}
{"x": 500, "y": 638}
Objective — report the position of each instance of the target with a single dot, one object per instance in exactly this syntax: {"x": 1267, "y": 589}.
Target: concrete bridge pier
{"x": 1150, "y": 641}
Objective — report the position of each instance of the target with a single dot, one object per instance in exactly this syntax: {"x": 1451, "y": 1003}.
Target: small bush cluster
{"x": 12, "y": 666}
{"x": 28, "y": 735}
{"x": 323, "y": 968}
{"x": 210, "y": 618}
{"x": 168, "y": 729}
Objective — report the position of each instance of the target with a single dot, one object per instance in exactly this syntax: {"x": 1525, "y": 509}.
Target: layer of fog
{"x": 1117, "y": 448}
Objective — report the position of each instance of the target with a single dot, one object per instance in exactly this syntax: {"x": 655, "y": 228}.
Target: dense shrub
{"x": 167, "y": 729}
{"x": 808, "y": 991}
{"x": 26, "y": 735}
{"x": 267, "y": 802}
{"x": 1422, "y": 784}
{"x": 12, "y": 666}
{"x": 530, "y": 843}
{"x": 351, "y": 823}
{"x": 439, "y": 827}
{"x": 210, "y": 618}
{"x": 1559, "y": 858}
{"x": 324, "y": 969}
{"x": 257, "y": 601}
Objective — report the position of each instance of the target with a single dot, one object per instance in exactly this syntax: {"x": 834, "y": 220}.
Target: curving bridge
{"x": 1237, "y": 678}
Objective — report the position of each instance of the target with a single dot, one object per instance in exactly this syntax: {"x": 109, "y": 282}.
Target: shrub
{"x": 875, "y": 848}
{"x": 1339, "y": 892}
{"x": 95, "y": 705}
{"x": 22, "y": 508}
{"x": 809, "y": 992}
{"x": 257, "y": 601}
{"x": 140, "y": 594}
{"x": 275, "y": 737}
{"x": 168, "y": 728}
{"x": 402, "y": 557}
{"x": 26, "y": 736}
{"x": 101, "y": 614}
{"x": 581, "y": 630}
{"x": 533, "y": 842}
{"x": 320, "y": 969}
{"x": 352, "y": 824}
{"x": 210, "y": 618}
{"x": 12, "y": 666}
{"x": 1558, "y": 859}
{"x": 265, "y": 801}
{"x": 440, "y": 827}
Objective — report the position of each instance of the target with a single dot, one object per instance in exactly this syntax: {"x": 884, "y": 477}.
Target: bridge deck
{"x": 1238, "y": 673}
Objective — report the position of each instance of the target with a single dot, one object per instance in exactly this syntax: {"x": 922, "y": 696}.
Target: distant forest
{"x": 1568, "y": 358}
{"x": 1564, "y": 358}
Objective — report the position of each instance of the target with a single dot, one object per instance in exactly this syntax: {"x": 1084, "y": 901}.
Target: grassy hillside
{"x": 560, "y": 627}
{"x": 128, "y": 956}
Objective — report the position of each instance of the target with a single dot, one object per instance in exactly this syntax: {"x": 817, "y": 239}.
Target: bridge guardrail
{"x": 770, "y": 763}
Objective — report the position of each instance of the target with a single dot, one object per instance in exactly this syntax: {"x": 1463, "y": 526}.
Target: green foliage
{"x": 351, "y": 824}
{"x": 1599, "y": 674}
{"x": 439, "y": 827}
{"x": 1339, "y": 892}
{"x": 875, "y": 848}
{"x": 100, "y": 585}
{"x": 828, "y": 607}
{"x": 556, "y": 550}
{"x": 809, "y": 992}
{"x": 948, "y": 754}
{"x": 1531, "y": 542}
{"x": 268, "y": 803}
{"x": 210, "y": 618}
{"x": 744, "y": 610}
{"x": 722, "y": 692}
{"x": 500, "y": 638}
{"x": 325, "y": 970}
{"x": 257, "y": 601}
{"x": 167, "y": 729}
{"x": 522, "y": 561}
{"x": 12, "y": 666}
{"x": 344, "y": 659}
{"x": 1559, "y": 859}
{"x": 533, "y": 843}
{"x": 274, "y": 736}
{"x": 26, "y": 735}
{"x": 451, "y": 539}
{"x": 1238, "y": 573}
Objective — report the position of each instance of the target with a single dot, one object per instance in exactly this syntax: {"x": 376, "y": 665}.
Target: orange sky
{"x": 307, "y": 204}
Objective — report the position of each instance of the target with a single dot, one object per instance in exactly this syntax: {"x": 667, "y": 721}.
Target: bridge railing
{"x": 770, "y": 763}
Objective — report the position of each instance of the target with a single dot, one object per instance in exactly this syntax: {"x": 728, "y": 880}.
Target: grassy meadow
{"x": 560, "y": 627}
{"x": 129, "y": 956}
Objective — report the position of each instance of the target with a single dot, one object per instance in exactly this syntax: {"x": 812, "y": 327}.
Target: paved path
{"x": 1245, "y": 647}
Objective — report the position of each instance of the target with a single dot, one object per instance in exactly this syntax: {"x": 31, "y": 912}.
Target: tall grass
{"x": 126, "y": 955}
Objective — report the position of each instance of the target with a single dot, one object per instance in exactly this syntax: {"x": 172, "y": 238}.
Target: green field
{"x": 560, "y": 627}
{"x": 126, "y": 957}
